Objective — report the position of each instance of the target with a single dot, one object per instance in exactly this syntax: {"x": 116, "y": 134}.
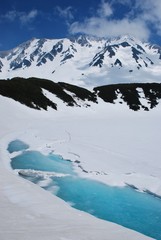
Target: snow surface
{"x": 115, "y": 145}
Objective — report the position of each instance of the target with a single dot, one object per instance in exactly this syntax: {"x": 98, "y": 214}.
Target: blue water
{"x": 125, "y": 206}
{"x": 36, "y": 161}
{"x": 16, "y": 146}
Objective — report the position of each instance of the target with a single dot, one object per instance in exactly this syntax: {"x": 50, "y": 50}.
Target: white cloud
{"x": 28, "y": 17}
{"x": 143, "y": 18}
{"x": 66, "y": 13}
{"x": 151, "y": 13}
{"x": 104, "y": 9}
{"x": 123, "y": 2}
{"x": 10, "y": 15}
{"x": 103, "y": 25}
{"x": 111, "y": 28}
{"x": 23, "y": 17}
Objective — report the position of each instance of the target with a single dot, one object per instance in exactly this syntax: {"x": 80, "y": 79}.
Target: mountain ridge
{"x": 84, "y": 61}
{"x": 33, "y": 92}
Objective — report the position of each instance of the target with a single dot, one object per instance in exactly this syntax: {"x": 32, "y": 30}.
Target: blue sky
{"x": 22, "y": 20}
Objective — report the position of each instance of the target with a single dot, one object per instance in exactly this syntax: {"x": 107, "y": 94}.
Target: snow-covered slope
{"x": 84, "y": 61}
{"x": 32, "y": 93}
{"x": 113, "y": 145}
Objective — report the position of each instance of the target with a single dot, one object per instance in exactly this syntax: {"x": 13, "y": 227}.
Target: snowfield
{"x": 114, "y": 145}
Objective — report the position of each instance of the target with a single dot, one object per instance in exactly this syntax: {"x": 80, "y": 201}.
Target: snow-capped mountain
{"x": 84, "y": 61}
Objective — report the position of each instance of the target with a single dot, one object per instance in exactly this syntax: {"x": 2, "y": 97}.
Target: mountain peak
{"x": 84, "y": 60}
{"x": 126, "y": 38}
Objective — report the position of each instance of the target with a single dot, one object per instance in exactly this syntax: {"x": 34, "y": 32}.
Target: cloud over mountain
{"x": 139, "y": 21}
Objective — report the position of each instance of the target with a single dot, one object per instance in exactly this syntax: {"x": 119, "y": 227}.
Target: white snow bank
{"x": 114, "y": 145}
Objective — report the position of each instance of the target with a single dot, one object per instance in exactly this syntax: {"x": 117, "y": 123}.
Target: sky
{"x": 23, "y": 20}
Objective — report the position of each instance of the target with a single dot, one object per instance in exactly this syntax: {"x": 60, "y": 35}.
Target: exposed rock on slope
{"x": 30, "y": 92}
